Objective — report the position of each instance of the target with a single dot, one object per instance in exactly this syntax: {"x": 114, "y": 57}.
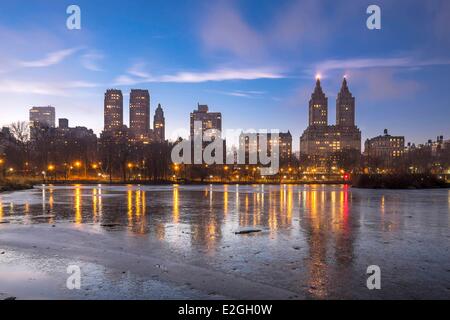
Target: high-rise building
{"x": 139, "y": 112}
{"x": 318, "y": 107}
{"x": 345, "y": 107}
{"x": 320, "y": 141}
{"x": 159, "y": 125}
{"x": 252, "y": 143}
{"x": 42, "y": 117}
{"x": 113, "y": 111}
{"x": 211, "y": 121}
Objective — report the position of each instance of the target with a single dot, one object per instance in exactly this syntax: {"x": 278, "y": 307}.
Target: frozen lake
{"x": 162, "y": 242}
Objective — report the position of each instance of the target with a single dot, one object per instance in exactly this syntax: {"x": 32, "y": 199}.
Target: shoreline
{"x": 11, "y": 187}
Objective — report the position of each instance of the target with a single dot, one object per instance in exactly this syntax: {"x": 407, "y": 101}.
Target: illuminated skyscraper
{"x": 42, "y": 117}
{"x": 139, "y": 112}
{"x": 211, "y": 121}
{"x": 113, "y": 111}
{"x": 345, "y": 107}
{"x": 159, "y": 125}
{"x": 318, "y": 107}
{"x": 321, "y": 141}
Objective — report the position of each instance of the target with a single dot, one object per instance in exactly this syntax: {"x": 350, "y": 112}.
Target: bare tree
{"x": 21, "y": 131}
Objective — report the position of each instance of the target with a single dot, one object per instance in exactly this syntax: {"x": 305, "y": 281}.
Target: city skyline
{"x": 121, "y": 115}
{"x": 259, "y": 78}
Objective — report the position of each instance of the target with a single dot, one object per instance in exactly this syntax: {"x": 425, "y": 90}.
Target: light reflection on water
{"x": 330, "y": 227}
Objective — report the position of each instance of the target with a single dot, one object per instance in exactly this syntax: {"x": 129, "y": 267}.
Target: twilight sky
{"x": 254, "y": 61}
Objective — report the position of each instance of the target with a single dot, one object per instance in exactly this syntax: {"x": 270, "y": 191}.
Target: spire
{"x": 318, "y": 92}
{"x": 344, "y": 82}
{"x": 344, "y": 88}
{"x": 318, "y": 86}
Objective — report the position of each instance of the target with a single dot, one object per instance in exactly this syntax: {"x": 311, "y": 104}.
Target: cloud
{"x": 240, "y": 93}
{"x": 366, "y": 63}
{"x": 51, "y": 59}
{"x": 384, "y": 84}
{"x": 224, "y": 29}
{"x": 136, "y": 76}
{"x": 298, "y": 21}
{"x": 90, "y": 61}
{"x": 43, "y": 88}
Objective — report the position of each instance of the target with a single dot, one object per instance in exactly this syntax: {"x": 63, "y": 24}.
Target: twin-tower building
{"x": 139, "y": 115}
{"x": 321, "y": 140}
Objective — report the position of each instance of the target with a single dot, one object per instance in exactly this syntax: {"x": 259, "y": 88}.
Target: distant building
{"x": 384, "y": 151}
{"x": 139, "y": 112}
{"x": 113, "y": 110}
{"x": 209, "y": 120}
{"x": 42, "y": 117}
{"x": 251, "y": 142}
{"x": 159, "y": 125}
{"x": 320, "y": 141}
{"x": 63, "y": 123}
{"x": 6, "y": 139}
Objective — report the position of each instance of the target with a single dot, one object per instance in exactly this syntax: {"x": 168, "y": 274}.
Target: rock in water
{"x": 248, "y": 231}
{"x": 10, "y": 299}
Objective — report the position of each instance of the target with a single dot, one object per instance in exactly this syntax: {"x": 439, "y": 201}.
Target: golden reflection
{"x": 130, "y": 206}
{"x": 94, "y": 204}
{"x": 144, "y": 203}
{"x": 290, "y": 204}
{"x": 100, "y": 202}
{"x": 313, "y": 209}
{"x": 1, "y": 210}
{"x": 51, "y": 198}
{"x": 212, "y": 229}
{"x": 176, "y": 212}
{"x": 225, "y": 199}
{"x": 138, "y": 203}
{"x": 78, "y": 208}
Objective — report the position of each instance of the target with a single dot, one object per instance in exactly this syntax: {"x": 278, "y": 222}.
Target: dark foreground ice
{"x": 197, "y": 242}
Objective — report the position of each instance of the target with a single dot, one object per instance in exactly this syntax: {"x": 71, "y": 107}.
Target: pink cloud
{"x": 383, "y": 84}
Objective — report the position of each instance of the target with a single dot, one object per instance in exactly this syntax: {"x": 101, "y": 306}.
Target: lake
{"x": 260, "y": 241}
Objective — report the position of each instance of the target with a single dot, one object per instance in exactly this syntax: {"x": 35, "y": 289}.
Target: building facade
{"x": 384, "y": 151}
{"x": 139, "y": 112}
{"x": 113, "y": 110}
{"x": 320, "y": 141}
{"x": 211, "y": 121}
{"x": 159, "y": 125}
{"x": 252, "y": 143}
{"x": 42, "y": 117}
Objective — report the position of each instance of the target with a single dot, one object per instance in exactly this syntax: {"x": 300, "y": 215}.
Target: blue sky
{"x": 255, "y": 61}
